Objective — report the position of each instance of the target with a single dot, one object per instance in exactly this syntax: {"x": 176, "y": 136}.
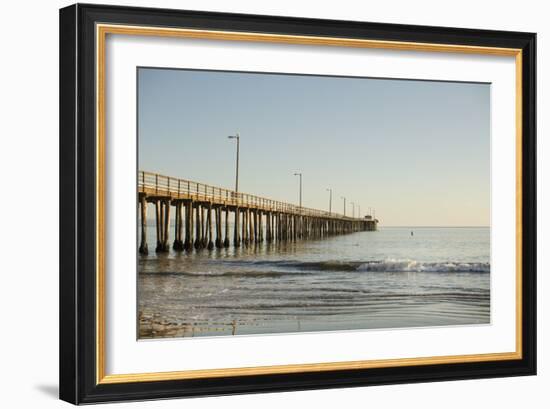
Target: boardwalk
{"x": 208, "y": 216}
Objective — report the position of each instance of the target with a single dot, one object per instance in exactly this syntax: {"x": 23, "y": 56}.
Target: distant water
{"x": 383, "y": 279}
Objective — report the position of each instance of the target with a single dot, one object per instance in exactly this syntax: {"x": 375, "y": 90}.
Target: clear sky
{"x": 416, "y": 151}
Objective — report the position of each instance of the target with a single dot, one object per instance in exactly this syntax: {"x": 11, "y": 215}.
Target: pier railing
{"x": 154, "y": 184}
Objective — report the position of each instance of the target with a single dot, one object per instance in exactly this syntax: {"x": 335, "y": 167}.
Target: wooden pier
{"x": 203, "y": 214}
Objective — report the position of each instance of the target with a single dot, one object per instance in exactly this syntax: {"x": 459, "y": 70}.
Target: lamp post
{"x": 359, "y": 212}
{"x": 329, "y": 201}
{"x": 342, "y": 197}
{"x": 238, "y": 138}
{"x": 352, "y": 209}
{"x": 300, "y": 174}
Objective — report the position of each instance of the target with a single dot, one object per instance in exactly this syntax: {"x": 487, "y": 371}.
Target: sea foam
{"x": 418, "y": 266}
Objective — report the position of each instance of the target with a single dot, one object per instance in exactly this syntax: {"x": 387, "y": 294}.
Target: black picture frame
{"x": 78, "y": 360}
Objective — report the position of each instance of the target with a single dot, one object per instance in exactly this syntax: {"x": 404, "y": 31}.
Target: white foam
{"x": 392, "y": 265}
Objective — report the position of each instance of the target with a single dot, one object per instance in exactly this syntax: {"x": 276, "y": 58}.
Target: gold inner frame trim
{"x": 101, "y": 33}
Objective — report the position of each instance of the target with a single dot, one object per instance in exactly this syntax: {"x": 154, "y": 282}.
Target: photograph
{"x": 274, "y": 203}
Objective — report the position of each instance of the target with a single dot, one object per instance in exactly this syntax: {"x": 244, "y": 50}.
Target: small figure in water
{"x": 412, "y": 233}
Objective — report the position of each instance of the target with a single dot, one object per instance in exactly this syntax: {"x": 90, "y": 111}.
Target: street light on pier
{"x": 300, "y": 174}
{"x": 352, "y": 209}
{"x": 237, "y": 137}
{"x": 330, "y": 201}
{"x": 342, "y": 197}
{"x": 359, "y": 212}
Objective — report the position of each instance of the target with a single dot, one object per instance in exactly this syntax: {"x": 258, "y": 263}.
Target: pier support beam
{"x": 261, "y": 225}
{"x": 252, "y": 226}
{"x": 210, "y": 243}
{"x": 143, "y": 249}
{"x": 218, "y": 213}
{"x": 226, "y": 240}
{"x": 204, "y": 221}
{"x": 188, "y": 245}
{"x": 236, "y": 232}
{"x": 268, "y": 227}
{"x": 158, "y": 221}
{"x": 162, "y": 211}
{"x": 245, "y": 216}
{"x": 165, "y": 238}
{"x": 278, "y": 220}
{"x": 178, "y": 228}
{"x": 198, "y": 227}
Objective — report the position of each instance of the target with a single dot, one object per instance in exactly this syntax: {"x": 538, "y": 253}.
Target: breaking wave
{"x": 389, "y": 266}
{"x": 281, "y": 268}
{"x": 418, "y": 266}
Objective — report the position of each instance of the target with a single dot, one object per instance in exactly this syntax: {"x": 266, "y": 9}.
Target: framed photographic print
{"x": 257, "y": 203}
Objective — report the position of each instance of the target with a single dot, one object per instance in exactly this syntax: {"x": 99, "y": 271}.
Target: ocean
{"x": 395, "y": 277}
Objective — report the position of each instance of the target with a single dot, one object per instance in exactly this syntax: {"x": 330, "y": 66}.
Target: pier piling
{"x": 236, "y": 228}
{"x": 226, "y": 240}
{"x": 210, "y": 244}
{"x": 198, "y": 227}
{"x": 143, "y": 211}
